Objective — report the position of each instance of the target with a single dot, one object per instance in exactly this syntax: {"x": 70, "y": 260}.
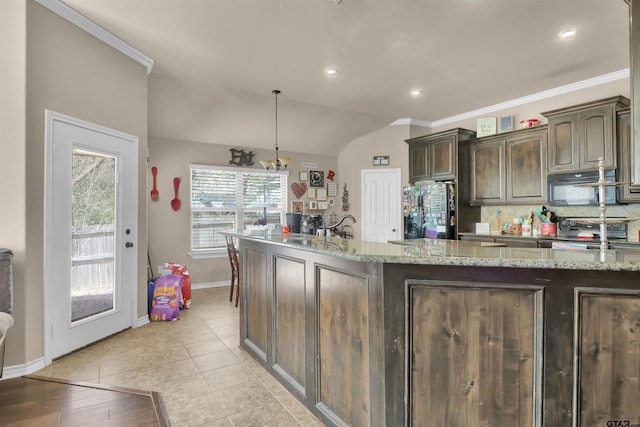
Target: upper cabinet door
{"x": 443, "y": 155}
{"x": 563, "y": 147}
{"x": 527, "y": 168}
{"x": 418, "y": 161}
{"x": 629, "y": 193}
{"x": 488, "y": 173}
{"x": 596, "y": 130}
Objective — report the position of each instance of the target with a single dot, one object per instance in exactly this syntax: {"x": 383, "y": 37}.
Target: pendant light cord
{"x": 276, "y": 92}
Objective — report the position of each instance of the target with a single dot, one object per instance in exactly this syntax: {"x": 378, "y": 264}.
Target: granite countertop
{"x": 453, "y": 252}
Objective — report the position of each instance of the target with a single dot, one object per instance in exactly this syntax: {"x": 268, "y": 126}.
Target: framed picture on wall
{"x": 297, "y": 207}
{"x": 302, "y": 176}
{"x": 316, "y": 178}
{"x": 332, "y": 189}
{"x": 380, "y": 160}
{"x": 321, "y": 194}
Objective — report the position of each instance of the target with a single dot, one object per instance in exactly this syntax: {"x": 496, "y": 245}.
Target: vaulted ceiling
{"x": 217, "y": 61}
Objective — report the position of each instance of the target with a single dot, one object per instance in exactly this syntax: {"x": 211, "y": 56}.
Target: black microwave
{"x": 565, "y": 189}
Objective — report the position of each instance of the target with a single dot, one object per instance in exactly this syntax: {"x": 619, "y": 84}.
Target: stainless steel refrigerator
{"x": 430, "y": 211}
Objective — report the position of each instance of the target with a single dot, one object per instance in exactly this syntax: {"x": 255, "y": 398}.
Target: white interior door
{"x": 90, "y": 233}
{"x": 381, "y": 205}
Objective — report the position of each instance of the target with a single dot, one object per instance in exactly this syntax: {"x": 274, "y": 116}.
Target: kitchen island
{"x": 444, "y": 333}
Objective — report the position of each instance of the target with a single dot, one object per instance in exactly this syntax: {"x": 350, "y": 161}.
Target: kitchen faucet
{"x": 328, "y": 229}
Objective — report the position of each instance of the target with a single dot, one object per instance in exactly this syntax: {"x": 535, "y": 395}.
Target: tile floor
{"x": 196, "y": 363}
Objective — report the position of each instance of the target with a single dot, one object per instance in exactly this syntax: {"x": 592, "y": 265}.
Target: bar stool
{"x": 235, "y": 268}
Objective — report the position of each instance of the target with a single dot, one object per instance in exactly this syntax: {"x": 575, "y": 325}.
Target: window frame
{"x": 239, "y": 209}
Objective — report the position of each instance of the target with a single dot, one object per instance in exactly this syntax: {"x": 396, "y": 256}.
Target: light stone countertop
{"x": 452, "y": 252}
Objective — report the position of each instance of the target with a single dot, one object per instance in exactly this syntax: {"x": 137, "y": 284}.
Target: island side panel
{"x": 254, "y": 322}
{"x": 608, "y": 358}
{"x": 345, "y": 357}
{"x": 290, "y": 320}
{"x": 484, "y": 371}
{"x": 343, "y": 345}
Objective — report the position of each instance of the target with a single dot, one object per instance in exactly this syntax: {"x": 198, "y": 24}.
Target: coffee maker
{"x": 309, "y": 224}
{"x": 294, "y": 220}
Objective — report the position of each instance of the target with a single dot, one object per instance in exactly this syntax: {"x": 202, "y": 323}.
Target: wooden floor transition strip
{"x": 42, "y": 401}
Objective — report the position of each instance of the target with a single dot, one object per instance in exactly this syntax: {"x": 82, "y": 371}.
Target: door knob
{"x": 128, "y": 245}
{"x": 394, "y": 230}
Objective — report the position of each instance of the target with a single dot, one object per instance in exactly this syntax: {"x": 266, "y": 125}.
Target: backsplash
{"x": 507, "y": 213}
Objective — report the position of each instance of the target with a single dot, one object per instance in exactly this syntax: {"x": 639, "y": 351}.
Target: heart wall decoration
{"x": 299, "y": 189}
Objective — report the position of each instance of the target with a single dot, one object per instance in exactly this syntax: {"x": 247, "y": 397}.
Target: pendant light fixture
{"x": 280, "y": 164}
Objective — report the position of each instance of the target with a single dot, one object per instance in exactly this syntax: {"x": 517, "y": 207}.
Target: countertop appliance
{"x": 430, "y": 211}
{"x": 309, "y": 224}
{"x": 571, "y": 227}
{"x": 294, "y": 220}
{"x": 565, "y": 189}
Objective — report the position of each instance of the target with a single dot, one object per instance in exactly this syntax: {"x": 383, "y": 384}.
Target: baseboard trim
{"x": 141, "y": 321}
{"x": 24, "y": 369}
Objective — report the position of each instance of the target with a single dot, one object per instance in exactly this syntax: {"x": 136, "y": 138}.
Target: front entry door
{"x": 91, "y": 228}
{"x": 381, "y": 205}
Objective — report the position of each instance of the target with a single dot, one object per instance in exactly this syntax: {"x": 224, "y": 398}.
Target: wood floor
{"x": 41, "y": 401}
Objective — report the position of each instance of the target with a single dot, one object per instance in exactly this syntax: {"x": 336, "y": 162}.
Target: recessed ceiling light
{"x": 568, "y": 33}
{"x": 331, "y": 71}
{"x": 415, "y": 92}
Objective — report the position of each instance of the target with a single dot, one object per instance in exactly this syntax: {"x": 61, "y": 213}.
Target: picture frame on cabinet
{"x": 506, "y": 123}
{"x": 486, "y": 126}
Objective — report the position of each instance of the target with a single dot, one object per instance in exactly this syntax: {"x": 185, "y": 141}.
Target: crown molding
{"x": 61, "y": 9}
{"x": 561, "y": 90}
{"x": 410, "y": 121}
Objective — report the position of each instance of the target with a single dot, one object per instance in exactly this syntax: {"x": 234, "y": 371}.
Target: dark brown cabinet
{"x": 581, "y": 134}
{"x": 608, "y": 356}
{"x": 627, "y": 193}
{"x": 440, "y": 156}
{"x": 488, "y": 172}
{"x": 477, "y": 366}
{"x": 526, "y": 166}
{"x": 366, "y": 342}
{"x": 510, "y": 168}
